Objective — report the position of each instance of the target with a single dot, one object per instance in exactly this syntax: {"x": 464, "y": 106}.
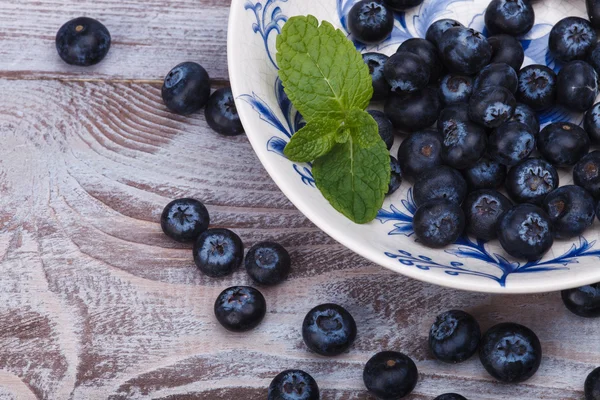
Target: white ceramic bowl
{"x": 270, "y": 120}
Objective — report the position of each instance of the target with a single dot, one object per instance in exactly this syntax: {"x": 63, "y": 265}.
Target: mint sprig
{"x": 327, "y": 81}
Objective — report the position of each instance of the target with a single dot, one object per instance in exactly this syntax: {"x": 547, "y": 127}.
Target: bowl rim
{"x": 482, "y": 286}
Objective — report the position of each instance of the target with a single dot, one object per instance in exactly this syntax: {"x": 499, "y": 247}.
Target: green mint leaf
{"x": 314, "y": 140}
{"x": 354, "y": 179}
{"x": 362, "y": 127}
{"x": 323, "y": 74}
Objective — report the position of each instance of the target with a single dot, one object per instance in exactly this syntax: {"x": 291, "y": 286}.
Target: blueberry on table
{"x": 513, "y": 17}
{"x": 83, "y": 42}
{"x": 240, "y": 308}
{"x": 571, "y": 39}
{"x": 401, "y": 5}
{"x": 537, "y": 87}
{"x": 583, "y": 301}
{"x": 385, "y": 126}
{"x": 455, "y": 89}
{"x": 510, "y": 352}
{"x": 395, "y": 176}
{"x": 571, "y": 210}
{"x": 293, "y": 384}
{"x": 186, "y": 88}
{"x": 483, "y": 209}
{"x": 420, "y": 152}
{"x": 463, "y": 142}
{"x": 563, "y": 144}
{"x": 510, "y": 143}
{"x": 221, "y": 113}
{"x": 593, "y": 57}
{"x": 492, "y": 106}
{"x": 440, "y": 183}
{"x": 525, "y": 231}
{"x": 375, "y": 62}
{"x": 436, "y": 30}
{"x": 577, "y": 86}
{"x": 428, "y": 52}
{"x": 592, "y": 385}
{"x": 328, "y": 330}
{"x": 498, "y": 74}
{"x": 370, "y": 21}
{"x": 438, "y": 223}
{"x": 390, "y": 375}
{"x": 450, "y": 396}
{"x": 531, "y": 180}
{"x": 184, "y": 220}
{"x": 452, "y": 112}
{"x": 507, "y": 49}
{"x": 454, "y": 336}
{"x": 218, "y": 252}
{"x": 587, "y": 173}
{"x": 485, "y": 174}
{"x": 406, "y": 72}
{"x": 526, "y": 115}
{"x": 464, "y": 50}
{"x": 415, "y": 111}
{"x": 591, "y": 123}
{"x": 268, "y": 263}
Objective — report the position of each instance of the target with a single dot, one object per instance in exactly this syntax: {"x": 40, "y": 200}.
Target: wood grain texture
{"x": 96, "y": 303}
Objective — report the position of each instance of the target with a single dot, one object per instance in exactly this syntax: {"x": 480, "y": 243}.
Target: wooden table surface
{"x": 96, "y": 303}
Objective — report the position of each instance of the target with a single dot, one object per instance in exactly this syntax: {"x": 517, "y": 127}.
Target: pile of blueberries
{"x": 488, "y": 132}
{"x": 482, "y": 130}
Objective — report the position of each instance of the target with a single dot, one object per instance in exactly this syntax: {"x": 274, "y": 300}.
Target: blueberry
{"x": 428, "y": 52}
{"x": 455, "y": 89}
{"x": 498, "y": 74}
{"x": 571, "y": 210}
{"x": 386, "y": 129}
{"x": 390, "y": 375}
{"x": 587, "y": 173}
{"x": 525, "y": 231}
{"x": 577, "y": 86}
{"x": 592, "y": 385}
{"x": 537, "y": 87}
{"x": 454, "y": 336}
{"x": 395, "y": 176}
{"x": 563, "y": 144}
{"x": 531, "y": 180}
{"x": 593, "y": 57}
{"x": 370, "y": 21}
{"x": 591, "y": 123}
{"x": 221, "y": 113}
{"x": 437, "y": 29}
{"x": 438, "y": 223}
{"x": 413, "y": 112}
{"x": 440, "y": 183}
{"x": 375, "y": 62}
{"x": 218, "y": 252}
{"x": 492, "y": 106}
{"x": 464, "y": 51}
{"x": 526, "y": 115}
{"x": 328, "y": 330}
{"x": 401, "y": 5}
{"x": 293, "y": 384}
{"x": 420, "y": 152}
{"x": 450, "y": 396}
{"x": 593, "y": 11}
{"x": 483, "y": 209}
{"x": 268, "y": 263}
{"x": 583, "y": 301}
{"x": 240, "y": 308}
{"x": 571, "y": 39}
{"x": 406, "y": 72}
{"x": 507, "y": 49}
{"x": 82, "y": 41}
{"x": 463, "y": 142}
{"x": 186, "y": 88}
{"x": 184, "y": 219}
{"x": 485, "y": 174}
{"x": 510, "y": 143}
{"x": 452, "y": 112}
{"x": 513, "y": 17}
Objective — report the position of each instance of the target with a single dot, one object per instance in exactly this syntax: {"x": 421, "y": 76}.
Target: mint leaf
{"x": 314, "y": 140}
{"x": 322, "y": 73}
{"x": 354, "y": 179}
{"x": 362, "y": 127}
